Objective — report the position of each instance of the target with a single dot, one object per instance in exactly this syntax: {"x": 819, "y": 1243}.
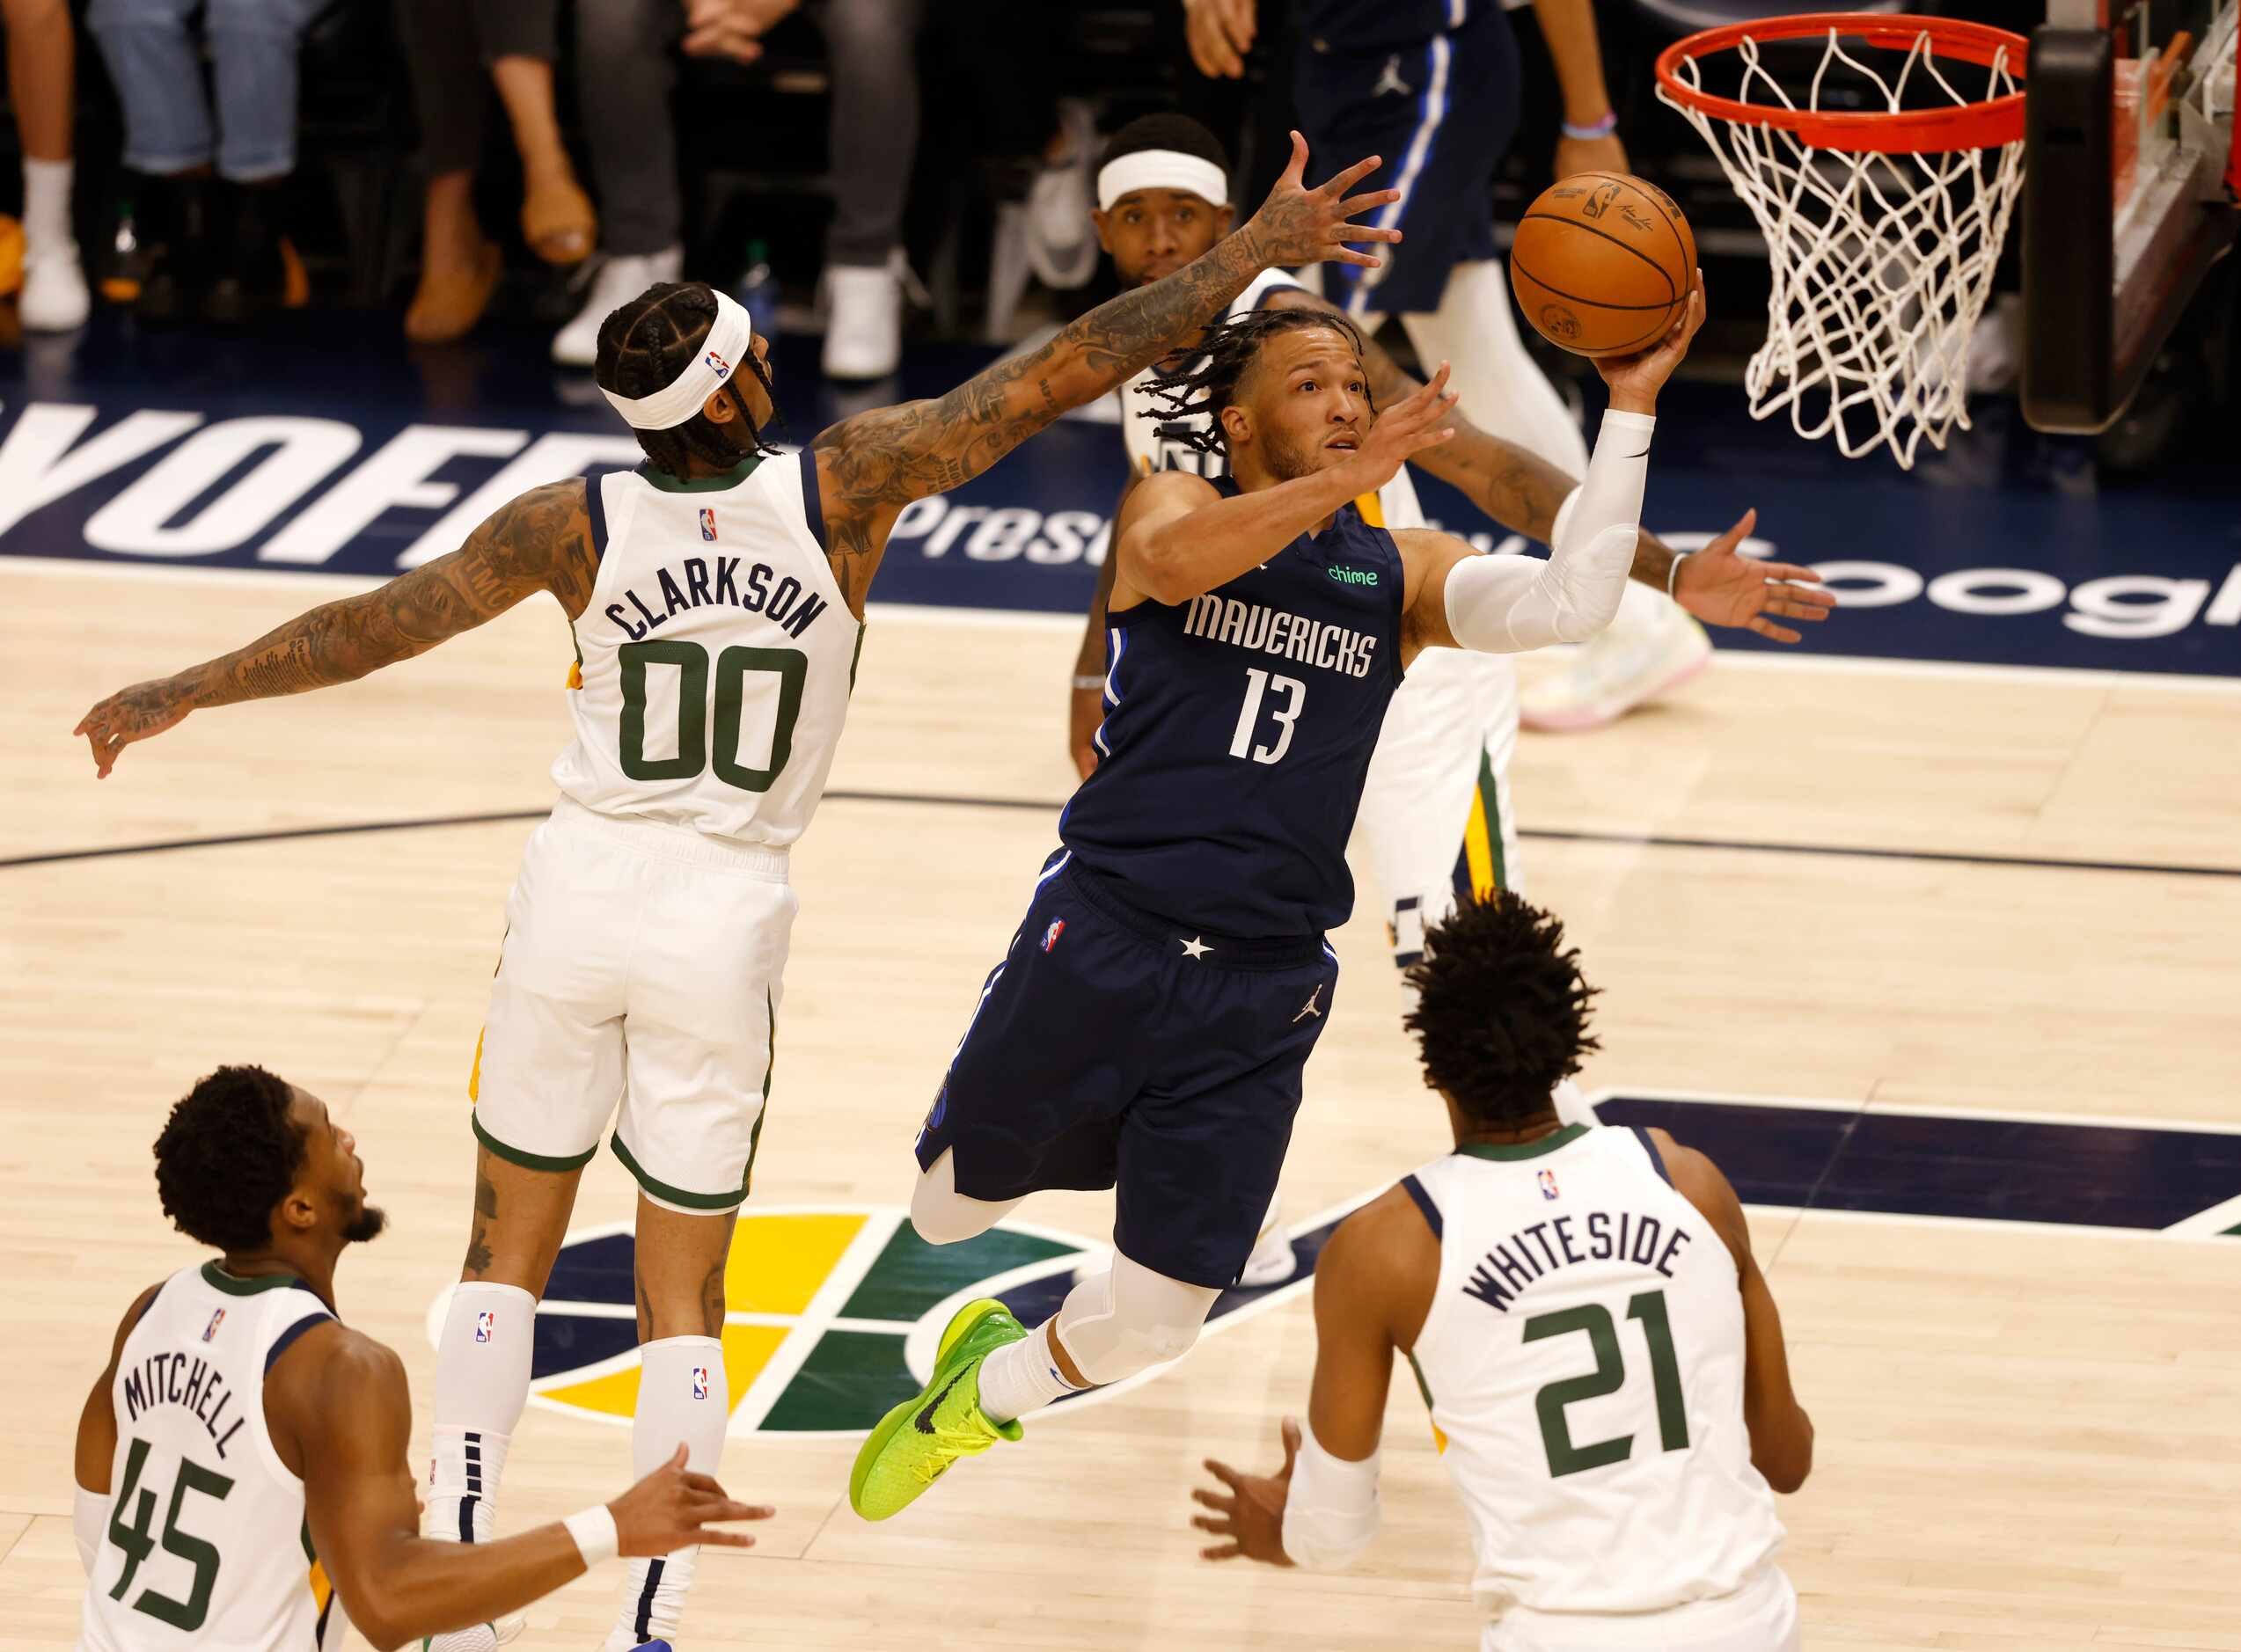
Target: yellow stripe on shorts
{"x": 1372, "y": 509}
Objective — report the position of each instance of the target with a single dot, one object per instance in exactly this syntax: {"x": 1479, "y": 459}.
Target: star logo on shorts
{"x": 1196, "y": 948}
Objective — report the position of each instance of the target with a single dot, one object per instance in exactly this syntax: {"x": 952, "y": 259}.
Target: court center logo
{"x": 833, "y": 1313}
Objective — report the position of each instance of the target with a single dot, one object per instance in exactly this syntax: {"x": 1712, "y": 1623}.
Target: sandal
{"x": 450, "y": 303}
{"x": 558, "y": 222}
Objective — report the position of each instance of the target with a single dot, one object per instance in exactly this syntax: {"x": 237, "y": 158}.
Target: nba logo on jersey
{"x": 211, "y": 1329}
{"x": 708, "y": 526}
{"x": 1051, "y": 935}
{"x": 700, "y": 1382}
{"x": 485, "y": 1327}
{"x": 1547, "y": 1180}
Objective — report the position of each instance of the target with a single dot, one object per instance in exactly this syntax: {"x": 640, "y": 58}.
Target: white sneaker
{"x": 1061, "y": 244}
{"x": 619, "y": 281}
{"x": 1651, "y": 648}
{"x": 55, "y": 297}
{"x": 863, "y": 327}
{"x": 1272, "y": 1260}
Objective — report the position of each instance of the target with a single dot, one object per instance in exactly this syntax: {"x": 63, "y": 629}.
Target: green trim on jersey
{"x": 1510, "y": 1152}
{"x": 1422, "y": 1387}
{"x": 770, "y": 1065}
{"x": 234, "y": 1285}
{"x": 857, "y": 658}
{"x": 529, "y": 1160}
{"x": 731, "y": 477}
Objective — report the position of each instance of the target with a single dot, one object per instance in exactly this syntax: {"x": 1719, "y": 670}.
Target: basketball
{"x": 1602, "y": 263}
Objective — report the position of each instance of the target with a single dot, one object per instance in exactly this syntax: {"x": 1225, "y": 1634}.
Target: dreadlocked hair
{"x": 1209, "y": 383}
{"x": 645, "y": 344}
{"x": 1501, "y": 1010}
{"x": 227, "y": 1156}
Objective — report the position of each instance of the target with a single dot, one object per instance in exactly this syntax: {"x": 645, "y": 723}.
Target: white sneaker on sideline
{"x": 1651, "y": 648}
{"x": 55, "y": 297}
{"x": 619, "y": 280}
{"x": 1061, "y": 244}
{"x": 863, "y": 327}
{"x": 484, "y": 1637}
{"x": 1272, "y": 1260}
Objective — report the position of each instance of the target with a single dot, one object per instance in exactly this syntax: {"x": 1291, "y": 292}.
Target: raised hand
{"x": 1250, "y": 1519}
{"x": 1636, "y": 380}
{"x": 1299, "y": 225}
{"x": 671, "y": 1508}
{"x": 139, "y": 712}
{"x": 1404, "y": 429}
{"x": 1723, "y": 587}
{"x": 1220, "y": 34}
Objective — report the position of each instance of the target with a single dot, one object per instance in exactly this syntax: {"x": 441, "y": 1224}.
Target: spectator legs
{"x": 41, "y": 63}
{"x": 158, "y": 81}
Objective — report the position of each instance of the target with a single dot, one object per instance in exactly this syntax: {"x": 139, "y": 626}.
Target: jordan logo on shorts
{"x": 1390, "y": 80}
{"x": 1308, "y": 1008}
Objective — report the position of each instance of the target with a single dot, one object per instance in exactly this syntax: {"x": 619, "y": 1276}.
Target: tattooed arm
{"x": 540, "y": 541}
{"x": 870, "y": 467}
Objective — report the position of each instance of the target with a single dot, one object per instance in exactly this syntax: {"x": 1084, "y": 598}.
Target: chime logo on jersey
{"x": 485, "y": 1327}
{"x": 1547, "y": 1180}
{"x": 1051, "y": 935}
{"x": 211, "y": 1329}
{"x": 708, "y": 525}
{"x": 833, "y": 1313}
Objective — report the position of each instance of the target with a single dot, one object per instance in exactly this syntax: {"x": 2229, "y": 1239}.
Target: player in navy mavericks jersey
{"x": 1149, "y": 1027}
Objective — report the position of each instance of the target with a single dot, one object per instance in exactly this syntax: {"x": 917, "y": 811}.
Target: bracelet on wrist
{"x": 1673, "y": 573}
{"x": 1603, "y": 127}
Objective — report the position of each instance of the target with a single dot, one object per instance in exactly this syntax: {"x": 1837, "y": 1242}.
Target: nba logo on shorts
{"x": 1051, "y": 935}
{"x": 211, "y": 1329}
{"x": 700, "y": 1382}
{"x": 708, "y": 526}
{"x": 1547, "y": 1180}
{"x": 485, "y": 1327}
{"x": 722, "y": 367}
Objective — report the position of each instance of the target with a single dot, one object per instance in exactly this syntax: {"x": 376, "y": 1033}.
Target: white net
{"x": 1881, "y": 263}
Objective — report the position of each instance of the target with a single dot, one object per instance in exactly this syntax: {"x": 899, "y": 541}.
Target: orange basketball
{"x": 1602, "y": 263}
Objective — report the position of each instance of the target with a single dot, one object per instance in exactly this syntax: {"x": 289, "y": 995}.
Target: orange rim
{"x": 1987, "y": 124}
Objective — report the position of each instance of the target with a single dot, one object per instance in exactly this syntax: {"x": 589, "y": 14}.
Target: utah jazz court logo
{"x": 833, "y": 1314}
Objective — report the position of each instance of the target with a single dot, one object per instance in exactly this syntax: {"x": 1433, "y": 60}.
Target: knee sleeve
{"x": 1129, "y": 1318}
{"x": 942, "y": 1215}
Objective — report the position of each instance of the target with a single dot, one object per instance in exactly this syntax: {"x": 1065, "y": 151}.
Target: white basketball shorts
{"x": 641, "y": 969}
{"x": 1762, "y": 1616}
{"x": 1435, "y": 811}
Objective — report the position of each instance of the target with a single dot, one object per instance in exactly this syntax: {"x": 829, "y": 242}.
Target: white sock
{"x": 683, "y": 1395}
{"x": 1023, "y": 1377}
{"x": 47, "y": 203}
{"x": 481, "y": 1384}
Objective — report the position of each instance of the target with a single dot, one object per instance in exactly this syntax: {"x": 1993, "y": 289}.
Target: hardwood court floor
{"x": 2029, "y": 1437}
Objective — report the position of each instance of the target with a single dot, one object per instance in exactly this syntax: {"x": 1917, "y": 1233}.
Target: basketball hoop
{"x": 1884, "y": 192}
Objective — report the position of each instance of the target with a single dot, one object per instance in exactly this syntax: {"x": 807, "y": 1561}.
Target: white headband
{"x": 1160, "y": 169}
{"x": 731, "y": 337}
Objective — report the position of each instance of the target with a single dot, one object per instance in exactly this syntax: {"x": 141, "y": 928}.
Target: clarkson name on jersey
{"x": 785, "y": 602}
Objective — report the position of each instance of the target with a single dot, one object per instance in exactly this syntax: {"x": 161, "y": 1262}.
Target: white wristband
{"x": 1673, "y": 573}
{"x": 594, "y": 1531}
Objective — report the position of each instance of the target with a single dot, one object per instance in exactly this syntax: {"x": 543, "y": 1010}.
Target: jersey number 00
{"x": 695, "y": 751}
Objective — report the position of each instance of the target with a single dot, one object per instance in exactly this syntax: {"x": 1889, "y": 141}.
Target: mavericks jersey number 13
{"x": 715, "y": 656}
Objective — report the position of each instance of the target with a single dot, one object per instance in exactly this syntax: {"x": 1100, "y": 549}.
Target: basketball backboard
{"x": 2131, "y": 169}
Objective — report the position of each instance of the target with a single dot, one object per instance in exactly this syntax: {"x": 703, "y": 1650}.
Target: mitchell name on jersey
{"x": 698, "y": 581}
{"x": 1275, "y": 631}
{"x": 192, "y": 1384}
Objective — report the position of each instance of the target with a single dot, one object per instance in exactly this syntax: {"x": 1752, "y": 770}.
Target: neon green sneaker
{"x": 916, "y": 1443}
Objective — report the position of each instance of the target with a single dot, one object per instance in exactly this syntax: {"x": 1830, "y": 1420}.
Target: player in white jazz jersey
{"x": 242, "y": 1484}
{"x": 1601, "y": 1357}
{"x": 716, "y": 596}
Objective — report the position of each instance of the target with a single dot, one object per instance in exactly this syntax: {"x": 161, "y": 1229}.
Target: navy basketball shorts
{"x": 1111, "y": 1050}
{"x": 1442, "y": 113}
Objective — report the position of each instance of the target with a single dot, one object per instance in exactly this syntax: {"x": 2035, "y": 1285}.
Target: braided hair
{"x": 1209, "y": 383}
{"x": 645, "y": 344}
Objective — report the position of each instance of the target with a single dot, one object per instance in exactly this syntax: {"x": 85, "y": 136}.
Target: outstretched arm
{"x": 539, "y": 541}
{"x": 344, "y": 1413}
{"x": 870, "y": 467}
{"x": 1523, "y": 493}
